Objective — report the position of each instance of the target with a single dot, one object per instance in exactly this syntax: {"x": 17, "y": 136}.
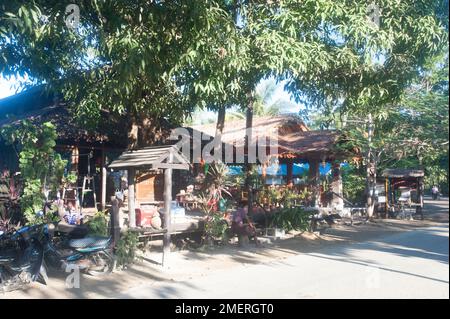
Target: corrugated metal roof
{"x": 151, "y": 157}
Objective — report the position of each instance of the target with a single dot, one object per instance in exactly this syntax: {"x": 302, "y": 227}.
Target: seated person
{"x": 73, "y": 216}
{"x": 240, "y": 223}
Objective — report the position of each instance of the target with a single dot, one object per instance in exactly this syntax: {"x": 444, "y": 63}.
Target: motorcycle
{"x": 67, "y": 247}
{"x": 21, "y": 258}
{"x": 28, "y": 253}
{"x": 92, "y": 254}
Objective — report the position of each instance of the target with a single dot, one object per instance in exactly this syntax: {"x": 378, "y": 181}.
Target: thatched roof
{"x": 309, "y": 142}
{"x": 234, "y": 130}
{"x": 294, "y": 137}
{"x": 38, "y": 106}
{"x": 403, "y": 173}
{"x": 108, "y": 131}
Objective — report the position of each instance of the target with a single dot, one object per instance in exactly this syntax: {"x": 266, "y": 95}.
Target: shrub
{"x": 126, "y": 248}
{"x": 215, "y": 224}
{"x": 98, "y": 224}
{"x": 354, "y": 184}
{"x": 40, "y": 166}
{"x": 291, "y": 219}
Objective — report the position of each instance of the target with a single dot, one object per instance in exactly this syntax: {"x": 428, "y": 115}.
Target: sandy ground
{"x": 188, "y": 265}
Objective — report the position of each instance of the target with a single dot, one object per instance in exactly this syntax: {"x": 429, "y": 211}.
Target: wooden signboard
{"x": 149, "y": 187}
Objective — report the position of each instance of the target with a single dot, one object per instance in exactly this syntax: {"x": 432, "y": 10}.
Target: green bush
{"x": 126, "y": 248}
{"x": 98, "y": 224}
{"x": 40, "y": 166}
{"x": 216, "y": 226}
{"x": 354, "y": 184}
{"x": 291, "y": 219}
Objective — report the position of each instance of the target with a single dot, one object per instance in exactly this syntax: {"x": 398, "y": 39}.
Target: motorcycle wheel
{"x": 13, "y": 282}
{"x": 102, "y": 263}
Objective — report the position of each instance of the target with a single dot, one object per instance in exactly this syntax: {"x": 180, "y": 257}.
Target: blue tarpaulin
{"x": 299, "y": 169}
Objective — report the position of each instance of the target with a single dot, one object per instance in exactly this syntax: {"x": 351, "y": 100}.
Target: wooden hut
{"x": 412, "y": 179}
{"x": 294, "y": 143}
{"x": 87, "y": 150}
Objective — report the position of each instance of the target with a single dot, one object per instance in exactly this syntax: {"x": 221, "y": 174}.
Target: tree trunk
{"x": 219, "y": 131}
{"x": 248, "y": 139}
{"x": 371, "y": 186}
{"x": 371, "y": 172}
{"x": 133, "y": 135}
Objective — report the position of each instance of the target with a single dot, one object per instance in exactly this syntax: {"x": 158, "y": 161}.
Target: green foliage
{"x": 40, "y": 166}
{"x": 70, "y": 179}
{"x": 98, "y": 224}
{"x": 215, "y": 187}
{"x": 265, "y": 103}
{"x": 285, "y": 197}
{"x": 162, "y": 58}
{"x": 215, "y": 224}
{"x": 291, "y": 219}
{"x": 126, "y": 248}
{"x": 289, "y": 198}
{"x": 218, "y": 178}
{"x": 354, "y": 183}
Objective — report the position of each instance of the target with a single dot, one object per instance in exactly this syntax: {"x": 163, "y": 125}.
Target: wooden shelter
{"x": 166, "y": 158}
{"x": 410, "y": 178}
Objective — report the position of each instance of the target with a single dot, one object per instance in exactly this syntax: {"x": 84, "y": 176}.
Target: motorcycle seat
{"x": 6, "y": 259}
{"x": 89, "y": 242}
{"x": 72, "y": 231}
{"x": 7, "y": 256}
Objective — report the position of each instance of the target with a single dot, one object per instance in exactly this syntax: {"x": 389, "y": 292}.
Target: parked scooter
{"x": 92, "y": 254}
{"x": 67, "y": 247}
{"x": 21, "y": 258}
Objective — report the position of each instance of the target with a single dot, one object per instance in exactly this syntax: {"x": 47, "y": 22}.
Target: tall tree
{"x": 410, "y": 133}
{"x": 158, "y": 59}
{"x": 165, "y": 57}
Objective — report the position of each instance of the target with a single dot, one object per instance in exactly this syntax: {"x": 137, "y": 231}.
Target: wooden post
{"x": 167, "y": 205}
{"x": 264, "y": 175}
{"x": 104, "y": 175}
{"x": 420, "y": 189}
{"x": 386, "y": 193}
{"x": 336, "y": 186}
{"x": 248, "y": 141}
{"x": 290, "y": 173}
{"x": 131, "y": 198}
{"x": 115, "y": 223}
{"x": 314, "y": 180}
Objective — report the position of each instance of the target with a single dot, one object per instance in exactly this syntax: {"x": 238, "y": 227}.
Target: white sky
{"x": 279, "y": 94}
{"x": 6, "y": 87}
{"x": 12, "y": 85}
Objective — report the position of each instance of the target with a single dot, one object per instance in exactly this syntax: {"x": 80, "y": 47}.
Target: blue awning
{"x": 299, "y": 169}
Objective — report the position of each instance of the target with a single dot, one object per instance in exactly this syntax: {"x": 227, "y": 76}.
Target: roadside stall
{"x": 149, "y": 174}
{"x": 404, "y": 192}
